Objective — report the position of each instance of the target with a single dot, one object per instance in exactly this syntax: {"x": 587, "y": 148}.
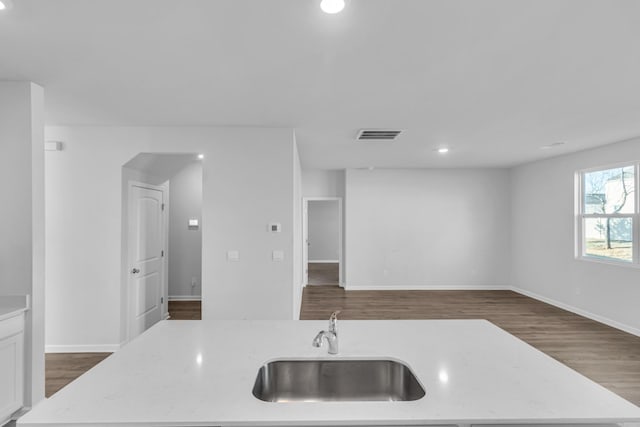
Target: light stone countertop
{"x": 201, "y": 373}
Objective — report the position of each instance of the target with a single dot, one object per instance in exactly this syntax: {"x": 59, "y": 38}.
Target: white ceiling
{"x": 163, "y": 166}
{"x": 493, "y": 79}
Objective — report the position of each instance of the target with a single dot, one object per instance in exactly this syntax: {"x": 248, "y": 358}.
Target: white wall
{"x": 247, "y": 182}
{"x": 185, "y": 243}
{"x": 297, "y": 233}
{"x": 248, "y": 185}
{"x": 323, "y": 183}
{"x": 324, "y": 233}
{"x": 543, "y": 240}
{"x": 22, "y": 216}
{"x": 427, "y": 229}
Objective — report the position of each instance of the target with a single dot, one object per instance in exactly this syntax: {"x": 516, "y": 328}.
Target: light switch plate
{"x": 233, "y": 256}
{"x": 53, "y": 146}
{"x": 193, "y": 222}
{"x": 278, "y": 256}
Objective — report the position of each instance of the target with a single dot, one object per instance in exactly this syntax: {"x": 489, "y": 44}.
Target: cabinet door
{"x": 11, "y": 375}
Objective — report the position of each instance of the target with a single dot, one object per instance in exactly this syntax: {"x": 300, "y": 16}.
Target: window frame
{"x": 581, "y": 217}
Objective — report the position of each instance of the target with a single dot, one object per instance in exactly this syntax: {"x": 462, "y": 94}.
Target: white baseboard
{"x": 426, "y": 288}
{"x": 324, "y": 261}
{"x": 185, "y": 298}
{"x": 609, "y": 322}
{"x": 93, "y": 348}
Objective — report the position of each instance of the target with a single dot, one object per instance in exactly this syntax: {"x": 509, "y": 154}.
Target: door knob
{"x": 135, "y": 271}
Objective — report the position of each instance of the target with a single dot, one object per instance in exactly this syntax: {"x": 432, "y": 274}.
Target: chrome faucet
{"x": 331, "y": 335}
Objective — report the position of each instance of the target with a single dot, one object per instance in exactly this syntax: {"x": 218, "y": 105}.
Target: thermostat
{"x": 275, "y": 227}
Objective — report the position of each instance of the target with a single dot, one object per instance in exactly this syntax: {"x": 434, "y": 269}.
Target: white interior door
{"x": 146, "y": 254}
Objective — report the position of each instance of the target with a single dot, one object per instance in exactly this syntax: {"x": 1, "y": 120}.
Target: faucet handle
{"x": 333, "y": 321}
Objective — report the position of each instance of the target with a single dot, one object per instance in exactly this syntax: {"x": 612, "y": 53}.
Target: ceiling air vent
{"x": 377, "y": 134}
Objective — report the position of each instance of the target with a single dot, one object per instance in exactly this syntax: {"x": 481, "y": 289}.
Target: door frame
{"x": 164, "y": 188}
{"x": 305, "y": 237}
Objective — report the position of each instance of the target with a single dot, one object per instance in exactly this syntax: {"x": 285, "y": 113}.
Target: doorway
{"x": 322, "y": 241}
{"x": 162, "y": 239}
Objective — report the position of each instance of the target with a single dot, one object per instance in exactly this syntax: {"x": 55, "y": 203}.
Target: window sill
{"x": 606, "y": 261}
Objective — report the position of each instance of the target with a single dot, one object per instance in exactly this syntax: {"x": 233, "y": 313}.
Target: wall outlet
{"x": 278, "y": 256}
{"x": 233, "y": 255}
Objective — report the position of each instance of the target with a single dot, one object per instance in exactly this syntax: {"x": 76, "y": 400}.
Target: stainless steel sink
{"x": 325, "y": 380}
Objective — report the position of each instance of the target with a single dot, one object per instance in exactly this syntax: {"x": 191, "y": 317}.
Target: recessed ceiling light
{"x": 5, "y": 4}
{"x": 332, "y": 6}
{"x": 201, "y": 156}
{"x": 443, "y": 150}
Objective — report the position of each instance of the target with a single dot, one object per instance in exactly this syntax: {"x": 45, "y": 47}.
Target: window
{"x": 608, "y": 215}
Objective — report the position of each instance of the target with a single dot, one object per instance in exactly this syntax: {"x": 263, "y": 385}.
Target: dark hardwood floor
{"x": 604, "y": 354}
{"x": 185, "y": 310}
{"x": 62, "y": 368}
{"x": 323, "y": 273}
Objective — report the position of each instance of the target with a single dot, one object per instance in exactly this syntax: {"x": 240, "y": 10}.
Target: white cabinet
{"x": 11, "y": 366}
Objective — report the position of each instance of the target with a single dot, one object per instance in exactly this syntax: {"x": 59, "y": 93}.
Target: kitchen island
{"x": 201, "y": 373}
